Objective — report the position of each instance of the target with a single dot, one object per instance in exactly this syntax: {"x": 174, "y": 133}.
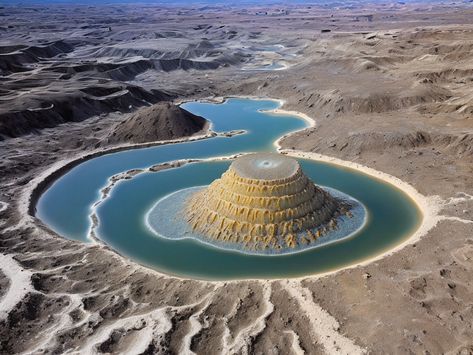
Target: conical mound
{"x": 263, "y": 200}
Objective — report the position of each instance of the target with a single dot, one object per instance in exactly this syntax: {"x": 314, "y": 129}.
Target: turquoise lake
{"x": 66, "y": 205}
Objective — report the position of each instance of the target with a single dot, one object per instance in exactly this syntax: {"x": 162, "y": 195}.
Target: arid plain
{"x": 390, "y": 87}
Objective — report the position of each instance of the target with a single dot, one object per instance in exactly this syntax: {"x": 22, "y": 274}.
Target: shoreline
{"x": 111, "y": 183}
{"x": 429, "y": 207}
{"x": 60, "y": 168}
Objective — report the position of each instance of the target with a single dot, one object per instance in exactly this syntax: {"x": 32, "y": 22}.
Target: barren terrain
{"x": 390, "y": 87}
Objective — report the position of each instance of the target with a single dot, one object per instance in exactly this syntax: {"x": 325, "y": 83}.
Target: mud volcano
{"x": 264, "y": 203}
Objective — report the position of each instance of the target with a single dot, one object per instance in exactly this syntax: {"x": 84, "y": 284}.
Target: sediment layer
{"x": 263, "y": 212}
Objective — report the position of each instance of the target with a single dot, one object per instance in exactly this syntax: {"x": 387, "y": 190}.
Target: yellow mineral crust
{"x": 263, "y": 200}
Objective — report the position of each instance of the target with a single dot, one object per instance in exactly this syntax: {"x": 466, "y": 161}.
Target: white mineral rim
{"x": 20, "y": 284}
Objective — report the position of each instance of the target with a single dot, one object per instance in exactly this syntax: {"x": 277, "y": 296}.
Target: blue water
{"x": 66, "y": 205}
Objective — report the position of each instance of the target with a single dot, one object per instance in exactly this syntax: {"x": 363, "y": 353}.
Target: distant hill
{"x": 161, "y": 121}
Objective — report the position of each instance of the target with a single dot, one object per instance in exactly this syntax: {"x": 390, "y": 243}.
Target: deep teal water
{"x": 65, "y": 206}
